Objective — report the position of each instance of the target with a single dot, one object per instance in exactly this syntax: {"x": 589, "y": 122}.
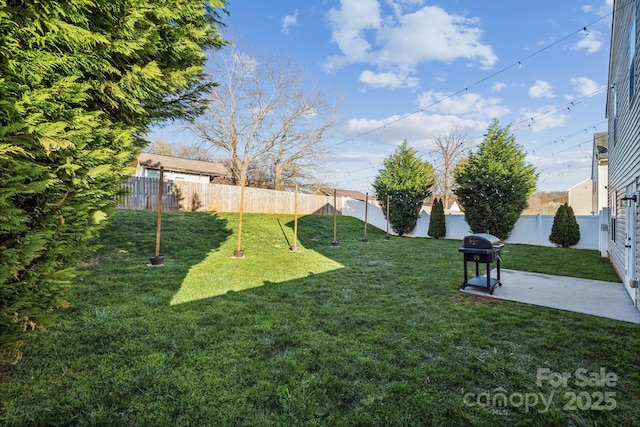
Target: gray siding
{"x": 623, "y": 112}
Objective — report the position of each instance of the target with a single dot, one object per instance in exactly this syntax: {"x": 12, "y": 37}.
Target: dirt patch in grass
{"x": 89, "y": 262}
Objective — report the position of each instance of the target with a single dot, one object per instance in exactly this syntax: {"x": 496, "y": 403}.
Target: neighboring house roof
{"x": 587, "y": 183}
{"x": 453, "y": 204}
{"x": 177, "y": 164}
{"x": 357, "y": 195}
{"x": 453, "y": 207}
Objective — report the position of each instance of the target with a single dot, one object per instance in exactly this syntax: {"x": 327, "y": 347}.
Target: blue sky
{"x": 412, "y": 69}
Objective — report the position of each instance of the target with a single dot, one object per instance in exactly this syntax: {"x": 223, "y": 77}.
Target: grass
{"x": 361, "y": 334}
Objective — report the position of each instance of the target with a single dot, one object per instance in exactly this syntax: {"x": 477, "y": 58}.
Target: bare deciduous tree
{"x": 263, "y": 118}
{"x": 452, "y": 146}
{"x": 176, "y": 149}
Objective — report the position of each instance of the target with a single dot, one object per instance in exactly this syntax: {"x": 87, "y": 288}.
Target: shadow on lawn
{"x": 268, "y": 260}
{"x": 128, "y": 241}
{"x": 270, "y": 270}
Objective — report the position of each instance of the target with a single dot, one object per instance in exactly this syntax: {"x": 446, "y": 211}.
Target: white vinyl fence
{"x": 530, "y": 229}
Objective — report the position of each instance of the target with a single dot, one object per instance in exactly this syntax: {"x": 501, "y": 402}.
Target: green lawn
{"x": 361, "y": 334}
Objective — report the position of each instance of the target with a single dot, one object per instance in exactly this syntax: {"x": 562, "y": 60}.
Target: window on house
{"x": 614, "y": 213}
{"x": 612, "y": 229}
{"x": 151, "y": 173}
{"x": 614, "y": 103}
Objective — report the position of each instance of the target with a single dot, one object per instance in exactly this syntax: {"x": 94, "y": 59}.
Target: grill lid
{"x": 482, "y": 241}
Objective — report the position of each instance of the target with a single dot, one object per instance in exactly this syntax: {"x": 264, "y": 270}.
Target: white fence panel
{"x": 529, "y": 229}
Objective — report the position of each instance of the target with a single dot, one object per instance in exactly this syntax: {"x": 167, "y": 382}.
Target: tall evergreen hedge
{"x": 80, "y": 83}
{"x": 437, "y": 226}
{"x": 494, "y": 183}
{"x": 407, "y": 180}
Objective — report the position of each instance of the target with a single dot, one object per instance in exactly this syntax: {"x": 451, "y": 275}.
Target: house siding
{"x": 623, "y": 113}
{"x": 580, "y": 198}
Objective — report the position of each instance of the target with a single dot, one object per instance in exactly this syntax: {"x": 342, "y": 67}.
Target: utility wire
{"x": 518, "y": 63}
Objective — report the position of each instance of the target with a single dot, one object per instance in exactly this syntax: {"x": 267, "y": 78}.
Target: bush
{"x": 81, "y": 83}
{"x": 437, "y": 226}
{"x": 407, "y": 180}
{"x": 565, "y": 230}
{"x": 494, "y": 183}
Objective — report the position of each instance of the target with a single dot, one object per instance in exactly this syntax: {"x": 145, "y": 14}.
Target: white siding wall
{"x": 581, "y": 197}
{"x": 623, "y": 112}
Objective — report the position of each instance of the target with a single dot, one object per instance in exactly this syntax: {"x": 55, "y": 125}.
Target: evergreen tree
{"x": 494, "y": 183}
{"x": 407, "y": 180}
{"x": 559, "y": 227}
{"x": 565, "y": 230}
{"x": 81, "y": 82}
{"x": 437, "y": 226}
{"x": 573, "y": 228}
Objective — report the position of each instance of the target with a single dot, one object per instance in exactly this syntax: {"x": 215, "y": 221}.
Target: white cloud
{"x": 585, "y": 86}
{"x": 498, "y": 86}
{"x": 418, "y": 129}
{"x": 468, "y": 105}
{"x": 348, "y": 27}
{"x": 541, "y": 89}
{"x": 543, "y": 118}
{"x": 357, "y": 156}
{"x": 389, "y": 80}
{"x": 244, "y": 63}
{"x": 440, "y": 112}
{"x": 604, "y": 9}
{"x": 289, "y": 21}
{"x": 399, "y": 7}
{"x": 431, "y": 34}
{"x": 591, "y": 42}
{"x": 401, "y": 41}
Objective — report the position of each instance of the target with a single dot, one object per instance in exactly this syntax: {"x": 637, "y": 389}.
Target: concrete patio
{"x": 593, "y": 297}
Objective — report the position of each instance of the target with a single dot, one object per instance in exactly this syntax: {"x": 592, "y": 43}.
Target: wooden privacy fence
{"x": 196, "y": 196}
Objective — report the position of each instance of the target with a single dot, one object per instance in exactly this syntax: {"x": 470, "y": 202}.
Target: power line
{"x": 540, "y": 116}
{"x": 526, "y": 123}
{"x": 518, "y": 63}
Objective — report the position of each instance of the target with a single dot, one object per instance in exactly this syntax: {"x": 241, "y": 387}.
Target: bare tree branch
{"x": 261, "y": 115}
{"x": 452, "y": 145}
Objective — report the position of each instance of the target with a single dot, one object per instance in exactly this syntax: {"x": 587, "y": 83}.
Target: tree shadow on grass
{"x": 121, "y": 265}
{"x": 268, "y": 260}
{"x": 315, "y": 349}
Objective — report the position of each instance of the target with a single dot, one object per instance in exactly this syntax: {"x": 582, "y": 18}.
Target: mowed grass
{"x": 362, "y": 334}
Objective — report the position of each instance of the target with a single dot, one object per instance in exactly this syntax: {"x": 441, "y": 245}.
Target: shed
{"x": 179, "y": 169}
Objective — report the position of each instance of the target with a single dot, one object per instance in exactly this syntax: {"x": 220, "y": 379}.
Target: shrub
{"x": 565, "y": 230}
{"x": 494, "y": 183}
{"x": 407, "y": 180}
{"x": 437, "y": 226}
{"x": 81, "y": 83}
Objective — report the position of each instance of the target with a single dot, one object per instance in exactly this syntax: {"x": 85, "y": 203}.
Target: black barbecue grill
{"x": 482, "y": 248}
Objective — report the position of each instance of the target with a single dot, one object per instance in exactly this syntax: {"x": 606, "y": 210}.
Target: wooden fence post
{"x": 157, "y": 259}
{"x": 294, "y": 247}
{"x": 239, "y": 253}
